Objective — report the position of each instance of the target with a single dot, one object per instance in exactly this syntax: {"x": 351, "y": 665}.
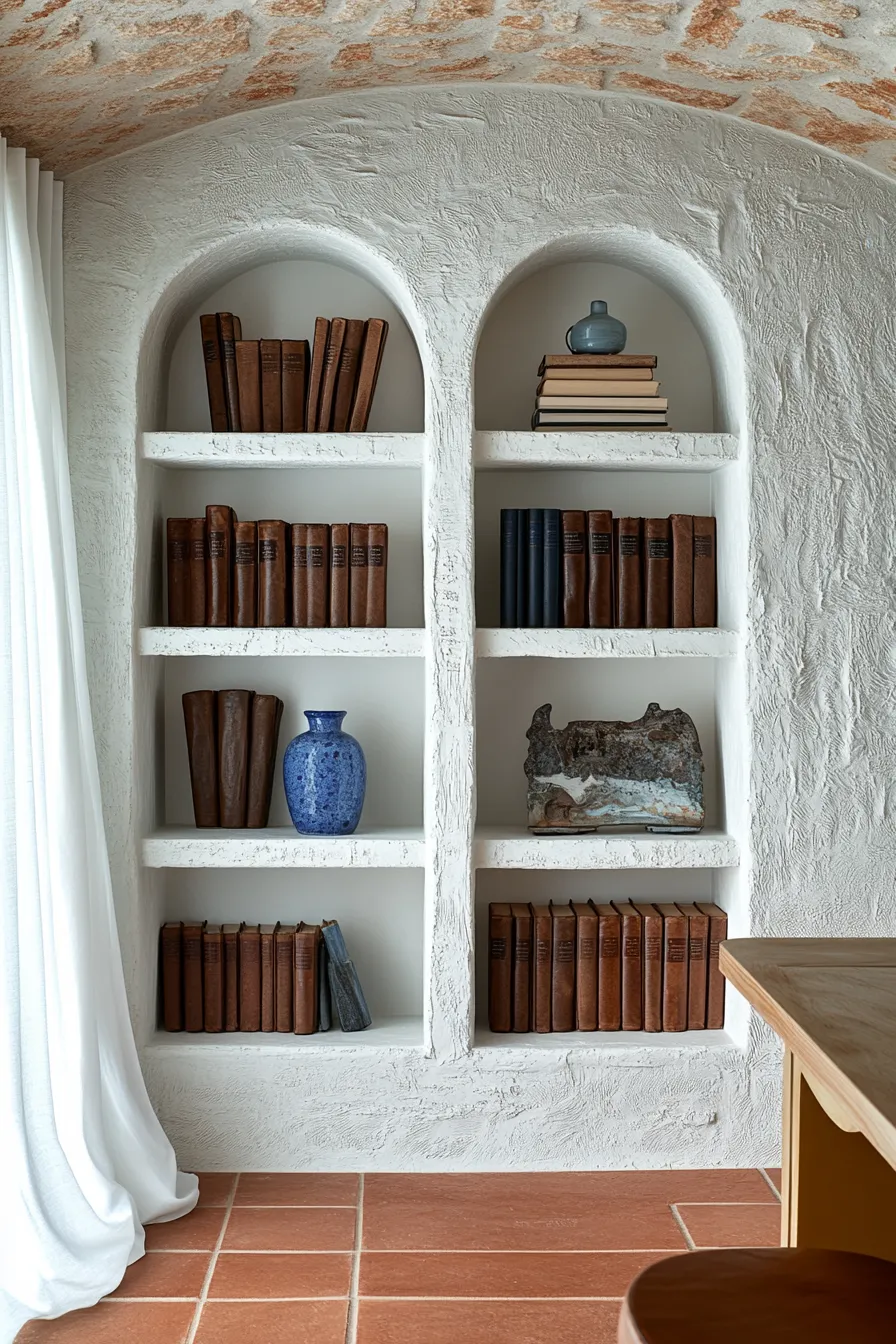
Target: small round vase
{"x": 325, "y": 776}
{"x": 597, "y": 334}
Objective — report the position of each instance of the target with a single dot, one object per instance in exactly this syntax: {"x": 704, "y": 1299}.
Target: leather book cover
{"x": 271, "y": 387}
{"x": 698, "y": 947}
{"x": 250, "y": 978}
{"x": 657, "y": 573}
{"x": 196, "y": 577}
{"x": 339, "y": 540}
{"x": 563, "y": 969}
{"x": 571, "y": 361}
{"x": 652, "y": 962}
{"x": 172, "y": 976}
{"x": 500, "y": 964}
{"x": 357, "y": 582}
{"x": 586, "y": 966}
{"x": 294, "y": 358}
{"x": 632, "y": 969}
{"x": 230, "y": 936}
{"x": 330, "y": 374}
{"x": 194, "y": 998}
{"x": 248, "y": 379}
{"x": 704, "y": 572}
{"x": 682, "y": 525}
{"x": 542, "y": 959}
{"x": 213, "y": 977}
{"x": 574, "y": 584}
{"x": 522, "y": 966}
{"x": 534, "y": 569}
{"x": 265, "y": 714}
{"x": 615, "y": 569}
{"x": 284, "y": 956}
{"x": 307, "y": 994}
{"x": 375, "y": 332}
{"x": 609, "y": 952}
{"x": 219, "y": 521}
{"x": 245, "y": 575}
{"x": 201, "y": 725}
{"x": 347, "y": 374}
{"x": 317, "y": 575}
{"x": 234, "y": 708}
{"x": 675, "y": 968}
{"x": 266, "y": 936}
{"x": 551, "y": 566}
{"x": 214, "y": 372}
{"x": 377, "y": 568}
{"x": 177, "y": 536}
{"x": 298, "y": 547}
{"x": 600, "y": 569}
{"x": 715, "y": 980}
{"x": 510, "y": 523}
{"x": 272, "y": 572}
{"x": 316, "y": 371}
{"x": 630, "y": 589}
{"x": 227, "y": 337}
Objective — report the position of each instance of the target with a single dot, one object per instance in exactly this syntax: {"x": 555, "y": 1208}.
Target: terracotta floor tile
{"x": 497, "y": 1274}
{"x": 774, "y": 1175}
{"x": 290, "y": 1230}
{"x": 272, "y": 1323}
{"x": 311, "y": 1187}
{"x": 214, "y": 1187}
{"x": 164, "y": 1274}
{"x": 281, "y": 1276}
{"x": 115, "y": 1323}
{"x": 196, "y": 1231}
{"x": 485, "y": 1322}
{"x": 732, "y": 1224}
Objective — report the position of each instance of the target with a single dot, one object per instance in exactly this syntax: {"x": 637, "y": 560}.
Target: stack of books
{"x": 258, "y": 977}
{"x": 222, "y": 572}
{"x": 232, "y": 746}
{"x": 599, "y": 392}
{"x": 620, "y": 966}
{"x": 292, "y": 387}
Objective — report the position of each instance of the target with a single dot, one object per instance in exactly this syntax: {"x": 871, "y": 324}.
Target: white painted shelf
{"x": 283, "y": 450}
{"x": 516, "y": 847}
{"x": 669, "y": 451}
{"x": 516, "y": 643}
{"x": 591, "y": 1043}
{"x": 388, "y": 1035}
{"x": 282, "y": 847}
{"x": 180, "y": 641}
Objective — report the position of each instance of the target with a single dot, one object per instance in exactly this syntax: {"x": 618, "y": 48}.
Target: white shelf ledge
{"x": 390, "y": 1035}
{"x": 185, "y": 641}
{"x": 516, "y": 847}
{"x": 516, "y": 643}
{"x": 661, "y": 451}
{"x": 282, "y": 847}
{"x": 598, "y": 1044}
{"x": 283, "y": 450}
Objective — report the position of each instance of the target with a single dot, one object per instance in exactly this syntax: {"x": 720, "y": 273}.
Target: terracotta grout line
{"x": 688, "y": 1239}
{"x": 771, "y": 1185}
{"x": 459, "y": 1250}
{"x": 207, "y": 1281}
{"x": 351, "y": 1316}
{"x": 726, "y": 1204}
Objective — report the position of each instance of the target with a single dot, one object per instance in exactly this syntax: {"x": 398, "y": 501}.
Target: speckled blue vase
{"x": 325, "y": 776}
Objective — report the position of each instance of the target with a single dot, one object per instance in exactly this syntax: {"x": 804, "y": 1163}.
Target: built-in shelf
{"x": 283, "y": 450}
{"x": 390, "y": 1034}
{"x": 515, "y": 643}
{"x": 282, "y": 847}
{"x": 182, "y": 641}
{"x": 661, "y": 451}
{"x": 600, "y": 1042}
{"x": 516, "y": 847}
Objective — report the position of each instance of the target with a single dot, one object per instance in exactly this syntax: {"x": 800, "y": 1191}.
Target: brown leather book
{"x": 272, "y": 572}
{"x": 317, "y": 575}
{"x": 294, "y": 358}
{"x": 542, "y": 957}
{"x": 172, "y": 957}
{"x": 600, "y": 569}
{"x": 500, "y": 964}
{"x": 198, "y": 559}
{"x": 652, "y": 963}
{"x": 332, "y": 357}
{"x": 228, "y": 335}
{"x": 245, "y": 575}
{"x": 715, "y": 980}
{"x": 704, "y": 572}
{"x": 266, "y": 936}
{"x": 682, "y": 525}
{"x": 629, "y": 578}
{"x": 521, "y": 997}
{"x": 622, "y": 361}
{"x": 284, "y": 956}
{"x": 347, "y": 374}
{"x": 271, "y": 387}
{"x": 214, "y": 372}
{"x": 194, "y": 998}
{"x": 307, "y": 990}
{"x": 201, "y": 724}
{"x": 250, "y": 978}
{"x": 234, "y": 708}
{"x": 609, "y": 951}
{"x": 586, "y": 966}
{"x": 630, "y": 964}
{"x": 265, "y": 714}
{"x": 230, "y": 936}
{"x": 563, "y": 969}
{"x": 339, "y": 570}
{"x": 248, "y": 378}
{"x": 177, "y": 532}
{"x": 298, "y": 547}
{"x": 657, "y": 573}
{"x": 377, "y": 568}
{"x": 219, "y": 521}
{"x": 375, "y": 332}
{"x": 316, "y": 372}
{"x": 358, "y": 560}
{"x": 675, "y": 968}
{"x": 574, "y": 585}
{"x": 213, "y": 977}
{"x": 698, "y": 947}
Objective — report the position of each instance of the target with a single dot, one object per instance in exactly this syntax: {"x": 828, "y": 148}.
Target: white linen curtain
{"x": 84, "y": 1160}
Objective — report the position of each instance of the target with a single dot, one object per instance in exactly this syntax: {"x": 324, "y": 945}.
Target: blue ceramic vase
{"x": 325, "y": 776}
{"x": 598, "y": 334}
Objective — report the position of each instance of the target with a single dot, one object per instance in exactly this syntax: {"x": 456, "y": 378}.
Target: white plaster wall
{"x": 443, "y": 198}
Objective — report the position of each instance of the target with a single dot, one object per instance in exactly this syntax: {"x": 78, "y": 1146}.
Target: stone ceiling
{"x": 83, "y": 79}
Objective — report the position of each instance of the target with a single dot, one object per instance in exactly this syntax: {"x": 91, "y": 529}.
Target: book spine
{"x": 200, "y": 723}
{"x": 272, "y": 572}
{"x": 339, "y": 570}
{"x": 522, "y": 563}
{"x": 551, "y": 569}
{"x": 375, "y": 332}
{"x": 284, "y": 956}
{"x": 231, "y": 936}
{"x": 213, "y": 978}
{"x": 324, "y": 1004}
{"x": 632, "y": 970}
{"x": 348, "y": 997}
{"x": 509, "y": 539}
{"x": 330, "y": 374}
{"x": 233, "y": 756}
{"x": 522, "y": 967}
{"x": 194, "y": 995}
{"x": 358, "y": 559}
{"x": 542, "y": 957}
{"x": 500, "y": 935}
{"x": 214, "y": 372}
{"x": 675, "y": 970}
{"x": 698, "y": 937}
{"x": 298, "y": 538}
{"x": 609, "y": 1001}
{"x": 177, "y": 535}
{"x": 248, "y": 378}
{"x": 630, "y": 596}
{"x": 535, "y": 569}
{"x": 264, "y": 731}
{"x": 245, "y": 575}
{"x": 563, "y": 973}
{"x": 172, "y": 976}
{"x": 704, "y": 572}
{"x": 600, "y": 569}
{"x": 657, "y": 573}
{"x": 652, "y": 956}
{"x": 682, "y": 526}
{"x": 574, "y": 585}
{"x": 294, "y": 357}
{"x": 227, "y": 336}
{"x": 271, "y": 387}
{"x": 577, "y": 361}
{"x": 268, "y": 978}
{"x": 198, "y": 565}
{"x": 377, "y": 570}
{"x": 250, "y": 979}
{"x": 715, "y": 980}
{"x": 219, "y": 522}
{"x": 586, "y": 969}
{"x": 315, "y": 372}
{"x": 305, "y": 981}
{"x": 347, "y": 374}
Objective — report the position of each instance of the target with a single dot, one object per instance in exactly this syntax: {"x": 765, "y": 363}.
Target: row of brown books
{"x": 258, "y": 977}
{"x": 569, "y": 568}
{"x": 620, "y": 966}
{"x": 599, "y": 392}
{"x": 222, "y": 572}
{"x": 232, "y": 746}
{"x": 292, "y": 387}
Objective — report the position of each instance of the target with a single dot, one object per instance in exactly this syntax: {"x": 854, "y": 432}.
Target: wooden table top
{"x": 833, "y": 1002}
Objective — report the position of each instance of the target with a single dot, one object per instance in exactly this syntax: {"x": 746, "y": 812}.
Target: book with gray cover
{"x": 345, "y": 988}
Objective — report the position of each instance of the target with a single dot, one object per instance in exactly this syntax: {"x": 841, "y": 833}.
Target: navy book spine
{"x": 522, "y": 543}
{"x": 509, "y": 535}
{"x": 551, "y": 569}
{"x": 535, "y": 569}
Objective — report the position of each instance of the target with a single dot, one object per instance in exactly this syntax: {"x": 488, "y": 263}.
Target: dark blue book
{"x": 551, "y": 569}
{"x": 510, "y": 527}
{"x": 324, "y": 1016}
{"x": 347, "y": 996}
{"x": 522, "y": 544}
{"x": 535, "y": 569}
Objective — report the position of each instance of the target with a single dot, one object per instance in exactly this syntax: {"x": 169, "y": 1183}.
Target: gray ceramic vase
{"x": 597, "y": 334}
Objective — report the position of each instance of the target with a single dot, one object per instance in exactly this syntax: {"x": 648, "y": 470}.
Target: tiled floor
{"x": 461, "y": 1259}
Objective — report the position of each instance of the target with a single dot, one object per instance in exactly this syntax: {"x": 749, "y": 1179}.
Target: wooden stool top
{"x": 762, "y": 1297}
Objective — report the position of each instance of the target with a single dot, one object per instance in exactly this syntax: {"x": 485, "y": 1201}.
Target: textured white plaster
{"x": 279, "y": 642}
{"x": 701, "y": 452}
{"x": 502, "y": 848}
{"x": 281, "y": 847}
{"x": 513, "y": 643}
{"x": 283, "y": 450}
